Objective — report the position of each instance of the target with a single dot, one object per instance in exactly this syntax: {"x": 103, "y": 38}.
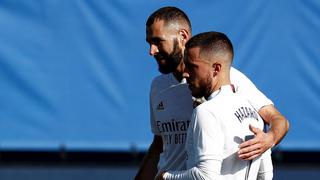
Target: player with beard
{"x": 168, "y": 62}
{"x": 219, "y": 123}
{"x": 171, "y": 104}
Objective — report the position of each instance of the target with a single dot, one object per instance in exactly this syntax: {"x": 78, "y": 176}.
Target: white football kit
{"x": 171, "y": 110}
{"x": 217, "y": 128}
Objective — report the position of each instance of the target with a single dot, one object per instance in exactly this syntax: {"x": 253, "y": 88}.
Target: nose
{"x": 153, "y": 50}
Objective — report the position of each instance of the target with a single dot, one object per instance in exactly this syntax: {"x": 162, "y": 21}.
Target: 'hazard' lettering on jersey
{"x": 245, "y": 112}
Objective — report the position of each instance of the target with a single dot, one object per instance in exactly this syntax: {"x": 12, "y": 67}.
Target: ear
{"x": 184, "y": 36}
{"x": 216, "y": 68}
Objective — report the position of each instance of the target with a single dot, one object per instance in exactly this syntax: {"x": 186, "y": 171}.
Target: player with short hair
{"x": 167, "y": 31}
{"x": 221, "y": 123}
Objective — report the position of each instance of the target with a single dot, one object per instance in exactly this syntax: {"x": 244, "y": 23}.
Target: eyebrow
{"x": 154, "y": 39}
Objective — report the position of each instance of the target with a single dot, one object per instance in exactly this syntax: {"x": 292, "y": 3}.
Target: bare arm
{"x": 279, "y": 126}
{"x": 148, "y": 168}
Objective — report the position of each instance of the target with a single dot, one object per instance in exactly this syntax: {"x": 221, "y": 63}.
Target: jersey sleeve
{"x": 208, "y": 143}
{"x": 247, "y": 89}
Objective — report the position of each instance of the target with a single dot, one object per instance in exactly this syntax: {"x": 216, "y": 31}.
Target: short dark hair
{"x": 211, "y": 43}
{"x": 168, "y": 14}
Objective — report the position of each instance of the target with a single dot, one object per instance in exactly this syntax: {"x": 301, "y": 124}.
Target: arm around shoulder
{"x": 279, "y": 125}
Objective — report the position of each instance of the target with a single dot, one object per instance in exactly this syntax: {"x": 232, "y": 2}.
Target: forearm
{"x": 186, "y": 175}
{"x": 279, "y": 125}
{"x": 148, "y": 168}
{"x": 204, "y": 170}
{"x": 263, "y": 141}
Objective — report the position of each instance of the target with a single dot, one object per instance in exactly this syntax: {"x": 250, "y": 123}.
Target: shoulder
{"x": 241, "y": 81}
{"x": 167, "y": 83}
{"x": 236, "y": 76}
{"x": 222, "y": 101}
{"x": 163, "y": 81}
{"x": 207, "y": 108}
{"x": 235, "y": 72}
{"x": 160, "y": 79}
{"x": 159, "y": 83}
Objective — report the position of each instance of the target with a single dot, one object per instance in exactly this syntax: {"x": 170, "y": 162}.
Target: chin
{"x": 196, "y": 94}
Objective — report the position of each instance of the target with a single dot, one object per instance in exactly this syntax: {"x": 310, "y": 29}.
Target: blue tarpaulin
{"x": 76, "y": 74}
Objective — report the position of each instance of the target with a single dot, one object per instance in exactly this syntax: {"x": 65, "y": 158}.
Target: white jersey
{"x": 266, "y": 167}
{"x": 217, "y": 128}
{"x": 248, "y": 90}
{"x": 171, "y": 107}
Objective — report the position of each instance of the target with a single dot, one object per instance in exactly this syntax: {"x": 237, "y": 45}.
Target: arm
{"x": 191, "y": 174}
{"x": 148, "y": 168}
{"x": 278, "y": 123}
{"x": 279, "y": 126}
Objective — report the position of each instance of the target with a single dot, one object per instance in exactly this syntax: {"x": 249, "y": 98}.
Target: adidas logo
{"x": 160, "y": 106}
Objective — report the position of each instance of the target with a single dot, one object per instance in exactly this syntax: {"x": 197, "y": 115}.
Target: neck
{"x": 222, "y": 80}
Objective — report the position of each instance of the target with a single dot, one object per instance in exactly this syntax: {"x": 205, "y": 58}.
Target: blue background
{"x": 76, "y": 74}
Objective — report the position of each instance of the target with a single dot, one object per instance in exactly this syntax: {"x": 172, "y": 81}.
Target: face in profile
{"x": 164, "y": 46}
{"x": 198, "y": 73}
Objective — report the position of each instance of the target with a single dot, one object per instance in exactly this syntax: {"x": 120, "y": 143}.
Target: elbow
{"x": 287, "y": 125}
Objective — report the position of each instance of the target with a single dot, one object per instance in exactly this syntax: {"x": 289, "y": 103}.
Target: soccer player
{"x": 171, "y": 104}
{"x": 219, "y": 124}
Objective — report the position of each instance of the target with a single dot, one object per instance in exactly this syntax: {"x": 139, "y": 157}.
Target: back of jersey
{"x": 235, "y": 114}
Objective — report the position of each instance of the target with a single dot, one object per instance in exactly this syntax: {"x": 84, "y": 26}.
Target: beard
{"x": 204, "y": 89}
{"x": 171, "y": 60}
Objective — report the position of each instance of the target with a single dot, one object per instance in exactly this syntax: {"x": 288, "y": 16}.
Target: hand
{"x": 160, "y": 176}
{"x": 254, "y": 147}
